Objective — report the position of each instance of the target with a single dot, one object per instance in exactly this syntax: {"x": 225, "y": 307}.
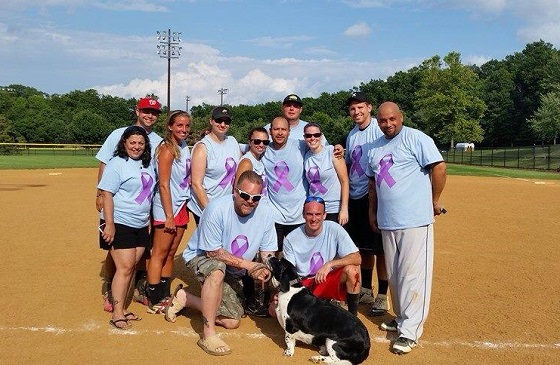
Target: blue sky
{"x": 259, "y": 50}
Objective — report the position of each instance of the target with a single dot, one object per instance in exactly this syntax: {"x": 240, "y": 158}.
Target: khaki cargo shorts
{"x": 232, "y": 290}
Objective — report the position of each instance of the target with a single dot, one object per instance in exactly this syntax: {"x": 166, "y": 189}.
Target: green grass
{"x": 19, "y": 162}
{"x": 469, "y": 170}
{"x": 41, "y": 161}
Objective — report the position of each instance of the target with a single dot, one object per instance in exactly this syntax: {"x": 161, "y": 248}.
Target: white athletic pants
{"x": 409, "y": 255}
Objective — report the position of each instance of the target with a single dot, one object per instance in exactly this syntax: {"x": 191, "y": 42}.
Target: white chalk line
{"x": 188, "y": 332}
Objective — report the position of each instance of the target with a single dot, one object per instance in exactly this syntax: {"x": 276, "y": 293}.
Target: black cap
{"x": 292, "y": 98}
{"x": 358, "y": 96}
{"x": 221, "y": 112}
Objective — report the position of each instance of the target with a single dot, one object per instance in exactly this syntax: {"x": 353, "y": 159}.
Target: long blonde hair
{"x": 168, "y": 139}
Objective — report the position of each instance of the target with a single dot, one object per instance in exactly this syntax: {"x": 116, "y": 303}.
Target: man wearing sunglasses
{"x": 325, "y": 256}
{"x": 147, "y": 112}
{"x": 233, "y": 229}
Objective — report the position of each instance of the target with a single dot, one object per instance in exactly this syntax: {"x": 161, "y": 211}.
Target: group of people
{"x": 333, "y": 211}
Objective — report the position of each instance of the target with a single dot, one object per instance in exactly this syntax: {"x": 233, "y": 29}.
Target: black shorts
{"x": 359, "y": 229}
{"x": 126, "y": 237}
{"x": 333, "y": 217}
{"x": 282, "y": 230}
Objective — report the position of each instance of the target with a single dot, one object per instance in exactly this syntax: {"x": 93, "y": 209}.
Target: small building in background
{"x": 467, "y": 147}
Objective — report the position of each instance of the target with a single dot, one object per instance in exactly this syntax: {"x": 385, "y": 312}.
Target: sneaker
{"x": 177, "y": 304}
{"x": 402, "y": 346}
{"x": 108, "y": 301}
{"x": 389, "y": 326}
{"x": 160, "y": 307}
{"x": 380, "y": 305}
{"x": 140, "y": 295}
{"x": 365, "y": 296}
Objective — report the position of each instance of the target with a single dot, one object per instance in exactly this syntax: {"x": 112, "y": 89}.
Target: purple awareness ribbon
{"x": 384, "y": 165}
{"x": 356, "y": 167}
{"x": 239, "y": 245}
{"x": 315, "y": 263}
{"x": 281, "y": 170}
{"x": 187, "y": 178}
{"x": 314, "y": 177}
{"x": 230, "y": 167}
{"x": 147, "y": 182}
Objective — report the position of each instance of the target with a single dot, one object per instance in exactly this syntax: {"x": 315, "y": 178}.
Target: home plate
{"x": 540, "y": 182}
{"x": 55, "y": 173}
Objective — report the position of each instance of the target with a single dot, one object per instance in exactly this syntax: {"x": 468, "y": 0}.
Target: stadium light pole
{"x": 187, "y": 99}
{"x": 222, "y": 91}
{"x": 168, "y": 47}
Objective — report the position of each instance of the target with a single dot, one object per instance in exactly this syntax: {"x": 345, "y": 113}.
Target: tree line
{"x": 509, "y": 102}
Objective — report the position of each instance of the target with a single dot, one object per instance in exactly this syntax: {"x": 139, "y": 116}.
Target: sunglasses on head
{"x": 257, "y": 141}
{"x": 225, "y": 121}
{"x": 317, "y": 199}
{"x": 316, "y": 135}
{"x": 246, "y": 196}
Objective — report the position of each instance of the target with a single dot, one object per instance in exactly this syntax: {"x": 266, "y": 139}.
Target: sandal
{"x": 115, "y": 322}
{"x": 177, "y": 305}
{"x": 132, "y": 317}
{"x": 211, "y": 345}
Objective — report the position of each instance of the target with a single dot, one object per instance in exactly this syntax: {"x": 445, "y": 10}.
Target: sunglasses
{"x": 317, "y": 199}
{"x": 246, "y": 196}
{"x": 309, "y": 135}
{"x": 257, "y": 141}
{"x": 225, "y": 121}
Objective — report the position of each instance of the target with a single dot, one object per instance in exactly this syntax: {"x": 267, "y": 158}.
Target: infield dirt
{"x": 496, "y": 292}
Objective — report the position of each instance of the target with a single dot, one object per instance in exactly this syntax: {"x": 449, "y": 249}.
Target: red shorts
{"x": 332, "y": 288}
{"x": 181, "y": 219}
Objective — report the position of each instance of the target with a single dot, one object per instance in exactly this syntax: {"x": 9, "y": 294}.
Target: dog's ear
{"x": 284, "y": 281}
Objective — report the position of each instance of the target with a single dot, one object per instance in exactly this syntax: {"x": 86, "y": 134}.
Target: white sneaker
{"x": 366, "y": 296}
{"x": 402, "y": 346}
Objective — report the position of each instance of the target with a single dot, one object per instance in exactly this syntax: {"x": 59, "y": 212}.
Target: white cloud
{"x": 359, "y": 30}
{"x": 279, "y": 42}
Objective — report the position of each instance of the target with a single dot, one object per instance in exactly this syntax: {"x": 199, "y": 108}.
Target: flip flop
{"x": 211, "y": 344}
{"x": 132, "y": 317}
{"x": 175, "y": 307}
{"x": 113, "y": 322}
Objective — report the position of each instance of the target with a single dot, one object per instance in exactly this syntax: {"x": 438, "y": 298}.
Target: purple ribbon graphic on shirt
{"x": 147, "y": 182}
{"x": 187, "y": 178}
{"x": 281, "y": 170}
{"x": 316, "y": 263}
{"x": 384, "y": 165}
{"x": 239, "y": 245}
{"x": 314, "y": 177}
{"x": 356, "y": 167}
{"x": 230, "y": 166}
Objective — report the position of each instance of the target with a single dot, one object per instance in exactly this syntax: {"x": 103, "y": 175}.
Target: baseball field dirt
{"x": 496, "y": 292}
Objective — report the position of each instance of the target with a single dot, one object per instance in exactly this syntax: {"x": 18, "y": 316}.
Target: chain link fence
{"x": 531, "y": 157}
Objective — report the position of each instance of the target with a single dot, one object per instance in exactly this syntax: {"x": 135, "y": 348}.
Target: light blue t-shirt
{"x": 221, "y": 227}
{"x": 221, "y": 163}
{"x": 322, "y": 178}
{"x": 179, "y": 184}
{"x": 357, "y": 144}
{"x": 132, "y": 186}
{"x": 286, "y": 184}
{"x": 107, "y": 150}
{"x": 309, "y": 254}
{"x": 403, "y": 185}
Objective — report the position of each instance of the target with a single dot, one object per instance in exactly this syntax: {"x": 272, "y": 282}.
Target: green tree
{"x": 546, "y": 120}
{"x": 88, "y": 127}
{"x": 447, "y": 102}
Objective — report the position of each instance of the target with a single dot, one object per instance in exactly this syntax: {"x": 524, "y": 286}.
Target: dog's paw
{"x": 289, "y": 352}
{"x": 319, "y": 359}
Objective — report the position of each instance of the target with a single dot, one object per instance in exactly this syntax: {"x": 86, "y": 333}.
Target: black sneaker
{"x": 389, "y": 326}
{"x": 402, "y": 346}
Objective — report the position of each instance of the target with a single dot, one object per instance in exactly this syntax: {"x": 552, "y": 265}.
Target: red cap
{"x": 149, "y": 103}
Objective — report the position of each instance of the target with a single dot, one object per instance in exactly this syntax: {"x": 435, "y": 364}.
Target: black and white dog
{"x": 341, "y": 337}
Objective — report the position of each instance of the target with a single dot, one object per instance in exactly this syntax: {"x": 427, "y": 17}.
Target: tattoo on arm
{"x": 226, "y": 257}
